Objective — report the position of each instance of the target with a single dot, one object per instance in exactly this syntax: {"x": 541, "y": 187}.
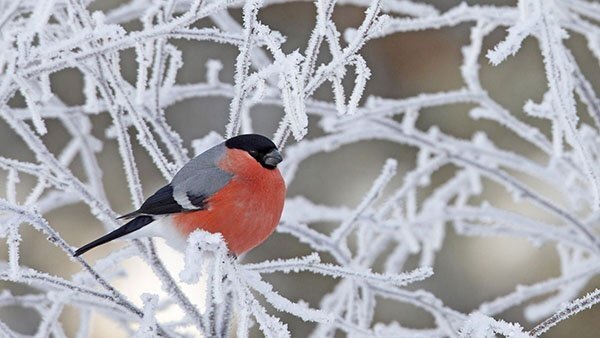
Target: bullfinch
{"x": 233, "y": 188}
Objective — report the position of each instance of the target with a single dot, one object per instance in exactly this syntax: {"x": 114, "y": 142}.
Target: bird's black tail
{"x": 131, "y": 226}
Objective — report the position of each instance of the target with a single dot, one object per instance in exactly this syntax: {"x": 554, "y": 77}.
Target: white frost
{"x": 370, "y": 245}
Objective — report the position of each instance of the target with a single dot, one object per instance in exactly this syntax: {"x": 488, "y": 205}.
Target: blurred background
{"x": 468, "y": 270}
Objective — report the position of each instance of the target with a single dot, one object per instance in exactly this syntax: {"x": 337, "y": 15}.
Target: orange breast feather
{"x": 246, "y": 210}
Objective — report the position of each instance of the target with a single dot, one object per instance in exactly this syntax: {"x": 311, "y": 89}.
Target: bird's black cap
{"x": 251, "y": 142}
{"x": 258, "y": 146}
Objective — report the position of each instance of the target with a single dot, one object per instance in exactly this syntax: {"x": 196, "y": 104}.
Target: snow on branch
{"x": 578, "y": 305}
{"x": 368, "y": 249}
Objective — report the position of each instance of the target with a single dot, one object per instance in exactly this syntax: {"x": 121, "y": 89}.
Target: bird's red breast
{"x": 246, "y": 210}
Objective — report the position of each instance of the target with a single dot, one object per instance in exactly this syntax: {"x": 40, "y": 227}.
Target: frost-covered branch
{"x": 367, "y": 249}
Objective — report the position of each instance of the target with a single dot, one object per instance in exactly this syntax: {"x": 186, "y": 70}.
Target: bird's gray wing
{"x": 195, "y": 182}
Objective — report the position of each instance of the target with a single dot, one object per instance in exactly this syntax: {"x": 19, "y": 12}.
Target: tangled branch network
{"x": 40, "y": 38}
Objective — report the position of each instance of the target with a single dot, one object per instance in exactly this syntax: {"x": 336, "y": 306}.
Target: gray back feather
{"x": 201, "y": 176}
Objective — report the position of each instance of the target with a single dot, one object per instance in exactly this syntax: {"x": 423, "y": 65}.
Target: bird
{"x": 233, "y": 188}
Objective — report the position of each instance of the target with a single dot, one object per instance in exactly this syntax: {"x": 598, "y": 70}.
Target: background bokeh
{"x": 468, "y": 271}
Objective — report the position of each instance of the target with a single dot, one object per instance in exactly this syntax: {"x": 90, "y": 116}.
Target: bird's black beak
{"x": 272, "y": 159}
